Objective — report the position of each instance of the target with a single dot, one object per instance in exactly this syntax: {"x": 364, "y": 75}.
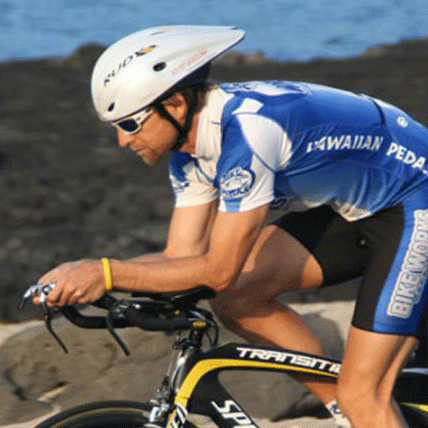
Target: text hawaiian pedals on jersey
{"x": 342, "y": 142}
{"x": 407, "y": 156}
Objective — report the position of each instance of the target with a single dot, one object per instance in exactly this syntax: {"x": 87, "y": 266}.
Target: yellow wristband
{"x": 107, "y": 274}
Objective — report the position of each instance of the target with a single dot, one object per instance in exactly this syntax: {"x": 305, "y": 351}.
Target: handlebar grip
{"x": 83, "y": 321}
{"x": 91, "y": 322}
{"x": 106, "y": 301}
{"x": 94, "y": 322}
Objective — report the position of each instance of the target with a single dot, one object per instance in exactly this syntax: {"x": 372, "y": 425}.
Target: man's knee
{"x": 360, "y": 399}
{"x": 232, "y": 309}
{"x": 347, "y": 395}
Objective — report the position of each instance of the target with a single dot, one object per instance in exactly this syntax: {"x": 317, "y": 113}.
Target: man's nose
{"x": 124, "y": 139}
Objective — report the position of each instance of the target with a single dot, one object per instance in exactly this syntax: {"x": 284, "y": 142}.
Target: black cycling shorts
{"x": 374, "y": 248}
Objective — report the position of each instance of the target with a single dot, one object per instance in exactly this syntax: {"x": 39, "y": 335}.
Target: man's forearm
{"x": 150, "y": 258}
{"x": 163, "y": 274}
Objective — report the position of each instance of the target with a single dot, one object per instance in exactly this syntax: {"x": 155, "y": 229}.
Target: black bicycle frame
{"x": 202, "y": 393}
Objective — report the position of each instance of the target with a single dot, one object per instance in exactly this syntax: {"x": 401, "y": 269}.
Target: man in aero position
{"x": 348, "y": 170}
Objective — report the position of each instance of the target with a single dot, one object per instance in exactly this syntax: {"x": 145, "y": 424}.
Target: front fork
{"x": 209, "y": 398}
{"x": 212, "y": 400}
{"x": 163, "y": 405}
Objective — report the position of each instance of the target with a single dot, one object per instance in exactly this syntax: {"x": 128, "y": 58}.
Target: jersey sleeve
{"x": 254, "y": 148}
{"x": 190, "y": 185}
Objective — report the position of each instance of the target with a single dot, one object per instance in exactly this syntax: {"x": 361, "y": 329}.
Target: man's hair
{"x": 201, "y": 89}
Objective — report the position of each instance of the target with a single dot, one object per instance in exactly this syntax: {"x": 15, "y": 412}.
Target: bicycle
{"x": 192, "y": 385}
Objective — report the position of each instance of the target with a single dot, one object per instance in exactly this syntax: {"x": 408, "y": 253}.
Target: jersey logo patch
{"x": 236, "y": 183}
{"x": 402, "y": 121}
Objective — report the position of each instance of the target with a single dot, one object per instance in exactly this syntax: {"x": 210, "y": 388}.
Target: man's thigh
{"x": 277, "y": 263}
{"x": 336, "y": 244}
{"x": 301, "y": 251}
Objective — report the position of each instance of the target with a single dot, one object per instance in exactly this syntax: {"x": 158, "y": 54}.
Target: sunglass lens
{"x": 129, "y": 125}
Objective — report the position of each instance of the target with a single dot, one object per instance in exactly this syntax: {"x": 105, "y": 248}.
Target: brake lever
{"x": 38, "y": 290}
{"x": 41, "y": 291}
{"x": 49, "y": 313}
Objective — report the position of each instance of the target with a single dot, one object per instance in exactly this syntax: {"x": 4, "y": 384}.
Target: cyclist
{"x": 348, "y": 170}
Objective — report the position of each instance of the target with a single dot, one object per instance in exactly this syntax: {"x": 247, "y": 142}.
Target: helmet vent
{"x": 159, "y": 66}
{"x": 111, "y": 107}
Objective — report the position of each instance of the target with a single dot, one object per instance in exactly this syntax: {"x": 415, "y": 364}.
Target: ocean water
{"x": 281, "y": 29}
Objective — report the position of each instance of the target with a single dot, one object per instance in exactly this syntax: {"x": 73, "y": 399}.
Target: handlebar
{"x": 149, "y": 311}
{"x": 132, "y": 315}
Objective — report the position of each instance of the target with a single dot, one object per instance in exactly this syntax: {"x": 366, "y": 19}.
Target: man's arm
{"x": 216, "y": 264}
{"x": 201, "y": 250}
{"x": 189, "y": 232}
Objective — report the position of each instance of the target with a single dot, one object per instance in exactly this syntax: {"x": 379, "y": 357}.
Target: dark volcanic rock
{"x": 69, "y": 192}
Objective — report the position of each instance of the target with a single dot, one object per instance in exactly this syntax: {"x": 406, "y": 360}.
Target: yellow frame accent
{"x": 205, "y": 366}
{"x": 423, "y": 407}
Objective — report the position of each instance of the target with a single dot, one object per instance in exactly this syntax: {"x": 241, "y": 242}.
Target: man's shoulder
{"x": 275, "y": 100}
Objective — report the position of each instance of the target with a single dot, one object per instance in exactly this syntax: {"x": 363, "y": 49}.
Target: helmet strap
{"x": 183, "y": 131}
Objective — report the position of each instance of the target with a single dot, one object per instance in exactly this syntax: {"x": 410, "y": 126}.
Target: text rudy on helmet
{"x": 142, "y": 67}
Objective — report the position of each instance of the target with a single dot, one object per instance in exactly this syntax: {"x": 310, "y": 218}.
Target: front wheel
{"x": 108, "y": 414}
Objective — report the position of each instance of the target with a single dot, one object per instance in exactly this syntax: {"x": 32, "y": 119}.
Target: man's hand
{"x": 75, "y": 282}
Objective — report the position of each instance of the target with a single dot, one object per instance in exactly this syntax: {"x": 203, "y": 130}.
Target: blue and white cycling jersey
{"x": 297, "y": 146}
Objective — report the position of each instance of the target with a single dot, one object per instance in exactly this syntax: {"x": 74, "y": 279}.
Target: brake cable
{"x": 117, "y": 309}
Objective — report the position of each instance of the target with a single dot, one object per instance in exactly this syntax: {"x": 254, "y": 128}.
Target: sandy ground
{"x": 340, "y": 314}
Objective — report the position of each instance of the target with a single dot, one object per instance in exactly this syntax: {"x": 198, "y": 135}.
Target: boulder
{"x": 35, "y": 368}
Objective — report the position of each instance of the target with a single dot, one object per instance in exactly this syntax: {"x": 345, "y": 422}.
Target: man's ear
{"x": 177, "y": 107}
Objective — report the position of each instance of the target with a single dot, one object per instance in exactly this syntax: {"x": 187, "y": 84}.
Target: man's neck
{"x": 190, "y": 145}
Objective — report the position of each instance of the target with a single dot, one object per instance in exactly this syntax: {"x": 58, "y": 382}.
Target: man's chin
{"x": 150, "y": 161}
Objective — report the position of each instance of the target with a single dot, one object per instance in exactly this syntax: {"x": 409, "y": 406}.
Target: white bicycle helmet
{"x": 145, "y": 66}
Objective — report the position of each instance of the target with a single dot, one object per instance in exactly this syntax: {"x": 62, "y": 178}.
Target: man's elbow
{"x": 221, "y": 279}
{"x": 181, "y": 251}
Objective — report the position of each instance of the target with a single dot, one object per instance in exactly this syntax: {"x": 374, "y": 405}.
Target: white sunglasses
{"x": 133, "y": 123}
